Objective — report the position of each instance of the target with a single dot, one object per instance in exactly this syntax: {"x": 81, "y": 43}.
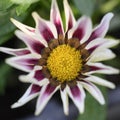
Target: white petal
{"x": 94, "y": 91}
{"x": 45, "y": 29}
{"x": 100, "y": 81}
{"x": 46, "y": 93}
{"x": 103, "y": 54}
{"x": 20, "y": 62}
{"x": 101, "y": 43}
{"x": 24, "y": 28}
{"x": 70, "y": 20}
{"x": 104, "y": 69}
{"x": 28, "y": 95}
{"x": 81, "y": 30}
{"x": 31, "y": 77}
{"x": 34, "y": 45}
{"x": 56, "y": 18}
{"x": 64, "y": 97}
{"x": 16, "y": 52}
{"x": 102, "y": 28}
{"x": 77, "y": 95}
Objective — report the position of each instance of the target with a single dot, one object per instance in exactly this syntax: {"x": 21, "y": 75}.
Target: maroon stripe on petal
{"x": 31, "y": 30}
{"x": 35, "y": 89}
{"x": 75, "y": 91}
{"x": 39, "y": 75}
{"x": 49, "y": 89}
{"x": 79, "y": 33}
{"x": 102, "y": 28}
{"x": 93, "y": 36}
{"x": 34, "y": 44}
{"x": 93, "y": 48}
{"x": 17, "y": 52}
{"x": 27, "y": 61}
{"x": 21, "y": 52}
{"x": 37, "y": 47}
{"x": 95, "y": 68}
{"x": 47, "y": 34}
{"x": 70, "y": 22}
{"x": 55, "y": 17}
{"x": 27, "y": 67}
{"x": 46, "y": 93}
{"x": 58, "y": 27}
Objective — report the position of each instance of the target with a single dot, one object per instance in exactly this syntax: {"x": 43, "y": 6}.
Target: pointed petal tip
{"x": 8, "y": 61}
{"x": 110, "y": 14}
{"x": 36, "y": 113}
{"x": 23, "y": 78}
{"x": 66, "y": 113}
{"x": 12, "y": 20}
{"x": 15, "y": 22}
{"x": 1, "y": 49}
{"x": 102, "y": 102}
{"x": 113, "y": 86}
{"x": 116, "y": 71}
{"x": 35, "y": 15}
{"x": 82, "y": 111}
{"x": 15, "y": 105}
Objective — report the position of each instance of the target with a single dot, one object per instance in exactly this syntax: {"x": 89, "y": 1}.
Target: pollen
{"x": 64, "y": 63}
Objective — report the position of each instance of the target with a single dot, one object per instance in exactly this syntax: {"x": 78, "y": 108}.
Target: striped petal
{"x": 101, "y": 68}
{"x": 70, "y": 20}
{"x": 77, "y": 95}
{"x": 102, "y": 55}
{"x": 64, "y": 97}
{"x": 81, "y": 30}
{"x": 94, "y": 91}
{"x": 25, "y": 63}
{"x": 16, "y": 52}
{"x": 44, "y": 28}
{"x": 56, "y": 18}
{"x": 100, "y": 43}
{"x": 36, "y": 77}
{"x": 32, "y": 92}
{"x": 102, "y": 28}
{"x": 100, "y": 81}
{"x": 34, "y": 45}
{"x": 46, "y": 93}
{"x": 26, "y": 29}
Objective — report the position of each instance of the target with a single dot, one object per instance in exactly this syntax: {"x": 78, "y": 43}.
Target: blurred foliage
{"x": 23, "y": 5}
{"x": 21, "y": 10}
{"x": 83, "y": 4}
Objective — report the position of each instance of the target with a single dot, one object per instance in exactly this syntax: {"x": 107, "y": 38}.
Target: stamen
{"x": 64, "y": 63}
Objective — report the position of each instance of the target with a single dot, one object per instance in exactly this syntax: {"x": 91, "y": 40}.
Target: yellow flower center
{"x": 64, "y": 63}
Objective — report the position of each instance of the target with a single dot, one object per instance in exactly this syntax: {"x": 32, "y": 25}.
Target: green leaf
{"x": 22, "y": 8}
{"x": 6, "y": 26}
{"x": 24, "y": 1}
{"x": 109, "y": 5}
{"x": 93, "y": 110}
{"x": 5, "y": 4}
{"x": 86, "y": 7}
{"x": 4, "y": 74}
{"x": 23, "y": 5}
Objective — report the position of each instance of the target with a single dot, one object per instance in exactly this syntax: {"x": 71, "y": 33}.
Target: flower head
{"x": 62, "y": 60}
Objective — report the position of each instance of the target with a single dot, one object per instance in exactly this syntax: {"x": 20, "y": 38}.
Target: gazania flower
{"x": 62, "y": 60}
